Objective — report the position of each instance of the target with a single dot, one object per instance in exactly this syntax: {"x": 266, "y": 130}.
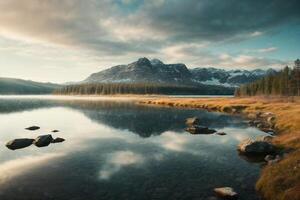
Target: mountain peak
{"x": 156, "y": 61}
{"x": 143, "y": 61}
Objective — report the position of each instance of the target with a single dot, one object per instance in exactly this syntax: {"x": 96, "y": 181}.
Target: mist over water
{"x": 119, "y": 150}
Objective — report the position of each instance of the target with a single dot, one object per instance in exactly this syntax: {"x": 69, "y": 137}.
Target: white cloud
{"x": 256, "y": 34}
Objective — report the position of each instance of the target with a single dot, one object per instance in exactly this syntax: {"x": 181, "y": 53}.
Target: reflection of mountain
{"x": 142, "y": 120}
{"x": 147, "y": 121}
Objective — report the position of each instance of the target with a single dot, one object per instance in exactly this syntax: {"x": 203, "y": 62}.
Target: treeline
{"x": 140, "y": 88}
{"x": 284, "y": 83}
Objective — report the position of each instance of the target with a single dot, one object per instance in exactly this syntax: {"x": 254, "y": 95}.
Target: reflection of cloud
{"x": 118, "y": 160}
{"x": 173, "y": 141}
{"x": 13, "y": 168}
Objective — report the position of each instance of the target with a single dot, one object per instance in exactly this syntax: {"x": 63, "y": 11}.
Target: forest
{"x": 141, "y": 88}
{"x": 284, "y": 83}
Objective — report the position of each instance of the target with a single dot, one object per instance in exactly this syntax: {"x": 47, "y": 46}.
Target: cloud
{"x": 97, "y": 34}
{"x": 117, "y": 160}
{"x": 105, "y": 27}
{"x": 218, "y": 20}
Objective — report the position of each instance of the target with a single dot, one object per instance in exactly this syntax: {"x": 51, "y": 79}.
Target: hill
{"x": 19, "y": 86}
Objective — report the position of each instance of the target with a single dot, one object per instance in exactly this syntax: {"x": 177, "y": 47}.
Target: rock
{"x": 249, "y": 146}
{"x": 32, "y": 128}
{"x": 43, "y": 140}
{"x": 192, "y": 121}
{"x": 55, "y": 131}
{"x": 274, "y": 160}
{"x": 226, "y": 193}
{"x": 221, "y": 133}
{"x": 267, "y": 114}
{"x": 266, "y": 138}
{"x": 200, "y": 130}
{"x": 268, "y": 130}
{"x": 58, "y": 140}
{"x": 269, "y": 158}
{"x": 19, "y": 143}
{"x": 271, "y": 120}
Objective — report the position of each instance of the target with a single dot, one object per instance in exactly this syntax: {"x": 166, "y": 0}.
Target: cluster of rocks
{"x": 264, "y": 121}
{"x": 262, "y": 147}
{"x": 195, "y": 128}
{"x": 40, "y": 141}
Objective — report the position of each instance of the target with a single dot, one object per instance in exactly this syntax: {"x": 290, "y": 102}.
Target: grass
{"x": 280, "y": 181}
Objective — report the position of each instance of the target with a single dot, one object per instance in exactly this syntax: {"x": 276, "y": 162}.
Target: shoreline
{"x": 279, "y": 181}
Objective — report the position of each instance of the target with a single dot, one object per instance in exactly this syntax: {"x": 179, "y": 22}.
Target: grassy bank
{"x": 280, "y": 181}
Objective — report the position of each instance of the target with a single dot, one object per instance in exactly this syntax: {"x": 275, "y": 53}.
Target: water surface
{"x": 119, "y": 150}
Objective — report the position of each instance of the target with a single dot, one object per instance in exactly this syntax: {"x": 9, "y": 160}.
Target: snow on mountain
{"x": 155, "y": 71}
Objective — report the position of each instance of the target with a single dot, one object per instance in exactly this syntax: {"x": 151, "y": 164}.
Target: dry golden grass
{"x": 280, "y": 181}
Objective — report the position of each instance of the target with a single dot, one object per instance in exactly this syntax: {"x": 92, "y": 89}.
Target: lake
{"x": 115, "y": 149}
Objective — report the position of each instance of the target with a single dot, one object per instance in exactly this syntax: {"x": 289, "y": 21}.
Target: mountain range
{"x": 147, "y": 71}
{"x": 155, "y": 71}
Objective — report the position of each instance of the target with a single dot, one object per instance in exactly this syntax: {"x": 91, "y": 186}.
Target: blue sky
{"x": 66, "y": 40}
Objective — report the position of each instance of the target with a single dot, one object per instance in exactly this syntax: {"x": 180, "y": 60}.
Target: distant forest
{"x": 141, "y": 88}
{"x": 284, "y": 83}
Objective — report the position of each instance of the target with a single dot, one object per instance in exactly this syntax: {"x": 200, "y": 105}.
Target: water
{"x": 119, "y": 150}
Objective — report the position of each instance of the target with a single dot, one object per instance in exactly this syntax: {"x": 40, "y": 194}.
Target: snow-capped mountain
{"x": 229, "y": 78}
{"x": 155, "y": 71}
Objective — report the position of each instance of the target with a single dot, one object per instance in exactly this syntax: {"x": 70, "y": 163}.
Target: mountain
{"x": 155, "y": 71}
{"x": 143, "y": 71}
{"x": 19, "y": 86}
{"x": 228, "y": 78}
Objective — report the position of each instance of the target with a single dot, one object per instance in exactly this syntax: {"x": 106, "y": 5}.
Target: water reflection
{"x": 120, "y": 151}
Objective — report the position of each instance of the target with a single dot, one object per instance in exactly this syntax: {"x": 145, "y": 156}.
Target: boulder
{"x": 55, "y": 131}
{"x": 43, "y": 140}
{"x": 200, "y": 130}
{"x": 249, "y": 146}
{"x": 226, "y": 193}
{"x": 32, "y": 128}
{"x": 58, "y": 140}
{"x": 19, "y": 143}
{"x": 192, "y": 121}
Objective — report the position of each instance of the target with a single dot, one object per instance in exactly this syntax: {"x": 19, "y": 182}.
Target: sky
{"x": 67, "y": 40}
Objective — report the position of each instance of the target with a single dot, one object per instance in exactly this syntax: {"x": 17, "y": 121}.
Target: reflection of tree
{"x": 19, "y": 105}
{"x": 142, "y": 120}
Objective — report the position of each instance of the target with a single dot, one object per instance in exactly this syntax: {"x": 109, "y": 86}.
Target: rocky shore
{"x": 279, "y": 117}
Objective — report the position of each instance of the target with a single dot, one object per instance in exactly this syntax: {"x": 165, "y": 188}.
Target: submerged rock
{"x": 19, "y": 143}
{"x": 58, "y": 140}
{"x": 192, "y": 121}
{"x": 32, "y": 128}
{"x": 249, "y": 146}
{"x": 200, "y": 130}
{"x": 43, "y": 140}
{"x": 221, "y": 133}
{"x": 226, "y": 193}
